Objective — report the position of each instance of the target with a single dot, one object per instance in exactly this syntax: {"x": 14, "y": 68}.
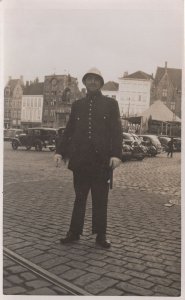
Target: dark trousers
{"x": 170, "y": 152}
{"x": 97, "y": 182}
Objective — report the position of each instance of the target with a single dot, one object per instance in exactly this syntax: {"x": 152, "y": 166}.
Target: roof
{"x": 175, "y": 76}
{"x": 110, "y": 86}
{"x": 160, "y": 112}
{"x": 34, "y": 89}
{"x": 138, "y": 75}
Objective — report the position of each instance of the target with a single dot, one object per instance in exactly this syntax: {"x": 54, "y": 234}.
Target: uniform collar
{"x": 93, "y": 96}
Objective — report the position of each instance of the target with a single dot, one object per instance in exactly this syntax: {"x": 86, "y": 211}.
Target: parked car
{"x": 11, "y": 133}
{"x": 177, "y": 144}
{"x": 164, "y": 141}
{"x": 132, "y": 148}
{"x": 152, "y": 143}
{"x": 38, "y": 138}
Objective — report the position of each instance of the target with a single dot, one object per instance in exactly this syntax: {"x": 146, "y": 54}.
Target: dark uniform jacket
{"x": 92, "y": 132}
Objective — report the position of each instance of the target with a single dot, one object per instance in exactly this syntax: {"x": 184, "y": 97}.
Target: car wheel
{"x": 38, "y": 146}
{"x": 15, "y": 145}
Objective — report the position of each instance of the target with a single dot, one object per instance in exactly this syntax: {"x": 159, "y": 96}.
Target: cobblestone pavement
{"x": 145, "y": 256}
{"x": 18, "y": 280}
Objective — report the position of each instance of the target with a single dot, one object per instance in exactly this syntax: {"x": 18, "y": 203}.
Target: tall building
{"x": 32, "y": 105}
{"x": 12, "y": 102}
{"x": 60, "y": 91}
{"x": 168, "y": 88}
{"x": 134, "y": 93}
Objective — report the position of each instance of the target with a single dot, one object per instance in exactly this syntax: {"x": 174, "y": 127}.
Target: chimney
{"x": 125, "y": 74}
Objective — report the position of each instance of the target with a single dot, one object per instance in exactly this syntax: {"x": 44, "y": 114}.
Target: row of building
{"x": 49, "y": 103}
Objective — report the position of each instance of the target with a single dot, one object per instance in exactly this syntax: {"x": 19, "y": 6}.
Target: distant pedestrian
{"x": 93, "y": 143}
{"x": 170, "y": 148}
{"x": 58, "y": 141}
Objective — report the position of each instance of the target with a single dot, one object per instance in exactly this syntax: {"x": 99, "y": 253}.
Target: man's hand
{"x": 114, "y": 162}
{"x": 57, "y": 159}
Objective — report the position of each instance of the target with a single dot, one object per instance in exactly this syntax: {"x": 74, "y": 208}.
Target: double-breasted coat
{"x": 94, "y": 122}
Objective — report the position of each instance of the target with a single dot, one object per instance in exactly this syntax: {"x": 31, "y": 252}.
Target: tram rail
{"x": 70, "y": 288}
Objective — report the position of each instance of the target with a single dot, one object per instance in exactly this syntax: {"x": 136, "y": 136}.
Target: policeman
{"x": 92, "y": 142}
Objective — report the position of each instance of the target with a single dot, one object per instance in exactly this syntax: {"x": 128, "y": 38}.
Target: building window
{"x": 23, "y": 114}
{"x": 164, "y": 92}
{"x": 7, "y": 92}
{"x": 139, "y": 98}
{"x": 66, "y": 95}
{"x": 46, "y": 112}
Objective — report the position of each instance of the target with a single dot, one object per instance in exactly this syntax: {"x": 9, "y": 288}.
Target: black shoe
{"x": 70, "y": 237}
{"x": 102, "y": 241}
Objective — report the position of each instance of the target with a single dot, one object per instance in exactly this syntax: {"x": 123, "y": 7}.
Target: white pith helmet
{"x": 93, "y": 71}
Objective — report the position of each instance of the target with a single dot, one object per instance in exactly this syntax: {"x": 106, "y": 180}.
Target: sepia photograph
{"x": 91, "y": 100}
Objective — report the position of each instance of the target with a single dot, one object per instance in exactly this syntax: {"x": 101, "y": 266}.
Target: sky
{"x": 43, "y": 37}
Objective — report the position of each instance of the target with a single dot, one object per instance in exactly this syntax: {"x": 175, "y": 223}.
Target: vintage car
{"x": 152, "y": 143}
{"x": 38, "y": 138}
{"x": 11, "y": 133}
{"x": 164, "y": 140}
{"x": 132, "y": 148}
{"x": 177, "y": 144}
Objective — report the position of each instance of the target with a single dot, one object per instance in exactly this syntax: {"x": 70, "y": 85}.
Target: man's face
{"x": 93, "y": 83}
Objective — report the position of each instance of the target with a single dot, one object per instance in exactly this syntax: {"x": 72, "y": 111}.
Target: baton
{"x": 111, "y": 179}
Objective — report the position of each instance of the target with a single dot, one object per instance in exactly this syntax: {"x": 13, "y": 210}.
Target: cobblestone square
{"x": 145, "y": 256}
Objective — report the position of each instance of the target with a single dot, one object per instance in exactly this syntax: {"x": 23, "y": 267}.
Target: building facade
{"x": 12, "y": 103}
{"x": 32, "y": 105}
{"x": 60, "y": 91}
{"x": 167, "y": 87}
{"x": 134, "y": 93}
